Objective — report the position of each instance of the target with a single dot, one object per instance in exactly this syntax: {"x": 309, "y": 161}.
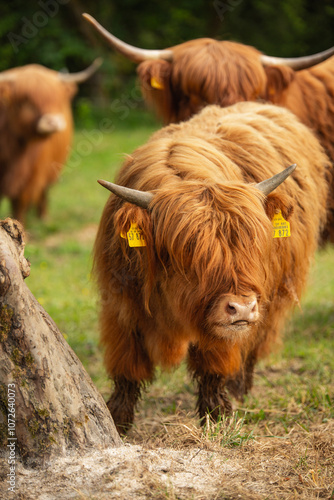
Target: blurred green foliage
{"x": 53, "y": 33}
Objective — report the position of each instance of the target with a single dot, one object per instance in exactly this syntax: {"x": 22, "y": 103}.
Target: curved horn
{"x": 269, "y": 185}
{"x": 140, "y": 198}
{"x": 82, "y": 76}
{"x": 134, "y": 53}
{"x": 298, "y": 63}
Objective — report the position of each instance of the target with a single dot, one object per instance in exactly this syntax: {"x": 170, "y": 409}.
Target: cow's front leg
{"x": 212, "y": 397}
{"x": 123, "y": 401}
{"x": 217, "y": 371}
{"x": 210, "y": 369}
{"x": 242, "y": 383}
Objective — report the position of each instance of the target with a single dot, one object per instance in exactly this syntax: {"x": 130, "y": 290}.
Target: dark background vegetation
{"x": 53, "y": 33}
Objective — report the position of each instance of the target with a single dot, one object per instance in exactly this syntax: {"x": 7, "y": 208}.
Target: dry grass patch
{"x": 182, "y": 462}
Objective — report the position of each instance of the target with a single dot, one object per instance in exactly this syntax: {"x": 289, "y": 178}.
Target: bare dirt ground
{"x": 182, "y": 462}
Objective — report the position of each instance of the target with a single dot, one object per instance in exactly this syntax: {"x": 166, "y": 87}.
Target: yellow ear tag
{"x": 271, "y": 91}
{"x": 134, "y": 236}
{"x": 156, "y": 84}
{"x": 281, "y": 227}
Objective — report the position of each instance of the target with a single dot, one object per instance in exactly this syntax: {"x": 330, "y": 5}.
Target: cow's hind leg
{"x": 123, "y": 401}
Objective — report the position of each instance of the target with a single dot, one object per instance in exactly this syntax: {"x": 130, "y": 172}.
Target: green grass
{"x": 295, "y": 385}
{"x": 228, "y": 431}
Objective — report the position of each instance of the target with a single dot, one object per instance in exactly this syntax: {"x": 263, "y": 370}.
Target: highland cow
{"x": 181, "y": 80}
{"x": 211, "y": 283}
{"x": 36, "y": 128}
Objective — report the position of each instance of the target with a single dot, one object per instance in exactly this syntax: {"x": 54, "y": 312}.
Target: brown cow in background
{"x": 211, "y": 283}
{"x": 181, "y": 80}
{"x": 36, "y": 127}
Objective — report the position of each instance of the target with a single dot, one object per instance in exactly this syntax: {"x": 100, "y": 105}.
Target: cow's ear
{"x": 129, "y": 215}
{"x": 137, "y": 244}
{"x": 156, "y": 88}
{"x": 71, "y": 89}
{"x": 154, "y": 74}
{"x": 275, "y": 203}
{"x": 278, "y": 79}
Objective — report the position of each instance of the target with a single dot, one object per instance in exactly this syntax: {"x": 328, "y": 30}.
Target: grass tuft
{"x": 228, "y": 431}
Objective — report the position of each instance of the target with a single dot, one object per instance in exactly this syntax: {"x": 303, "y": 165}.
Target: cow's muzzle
{"x": 50, "y": 123}
{"x": 240, "y": 310}
{"x": 234, "y": 313}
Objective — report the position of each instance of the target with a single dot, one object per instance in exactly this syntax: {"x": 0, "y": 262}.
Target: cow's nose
{"x": 242, "y": 310}
{"x": 50, "y": 123}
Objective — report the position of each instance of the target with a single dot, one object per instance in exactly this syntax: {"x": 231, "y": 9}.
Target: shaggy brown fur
{"x": 208, "y": 234}
{"x": 30, "y": 162}
{"x": 203, "y": 72}
{"x": 206, "y": 71}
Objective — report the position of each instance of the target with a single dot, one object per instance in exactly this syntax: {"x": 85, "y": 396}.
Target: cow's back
{"x": 247, "y": 141}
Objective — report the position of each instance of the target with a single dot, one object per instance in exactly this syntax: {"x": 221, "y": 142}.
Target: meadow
{"x": 282, "y": 434}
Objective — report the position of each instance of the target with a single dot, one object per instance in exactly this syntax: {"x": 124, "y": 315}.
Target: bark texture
{"x": 58, "y": 410}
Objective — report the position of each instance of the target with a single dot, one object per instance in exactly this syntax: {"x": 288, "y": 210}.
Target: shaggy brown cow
{"x": 36, "y": 128}
{"x": 211, "y": 283}
{"x": 181, "y": 80}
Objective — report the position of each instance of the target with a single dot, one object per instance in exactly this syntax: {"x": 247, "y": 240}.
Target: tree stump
{"x": 48, "y": 404}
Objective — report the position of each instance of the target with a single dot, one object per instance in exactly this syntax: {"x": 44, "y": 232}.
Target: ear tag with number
{"x": 281, "y": 227}
{"x": 134, "y": 236}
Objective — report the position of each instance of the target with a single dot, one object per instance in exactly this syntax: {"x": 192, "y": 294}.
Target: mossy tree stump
{"x": 57, "y": 408}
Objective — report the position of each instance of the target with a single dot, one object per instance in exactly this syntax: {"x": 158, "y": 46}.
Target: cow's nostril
{"x": 231, "y": 310}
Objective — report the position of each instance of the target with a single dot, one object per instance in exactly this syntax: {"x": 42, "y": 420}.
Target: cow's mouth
{"x": 238, "y": 330}
{"x": 241, "y": 322}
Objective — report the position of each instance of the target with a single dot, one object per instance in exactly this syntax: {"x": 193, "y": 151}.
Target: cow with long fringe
{"x": 208, "y": 282}
{"x": 36, "y": 127}
{"x": 181, "y": 80}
